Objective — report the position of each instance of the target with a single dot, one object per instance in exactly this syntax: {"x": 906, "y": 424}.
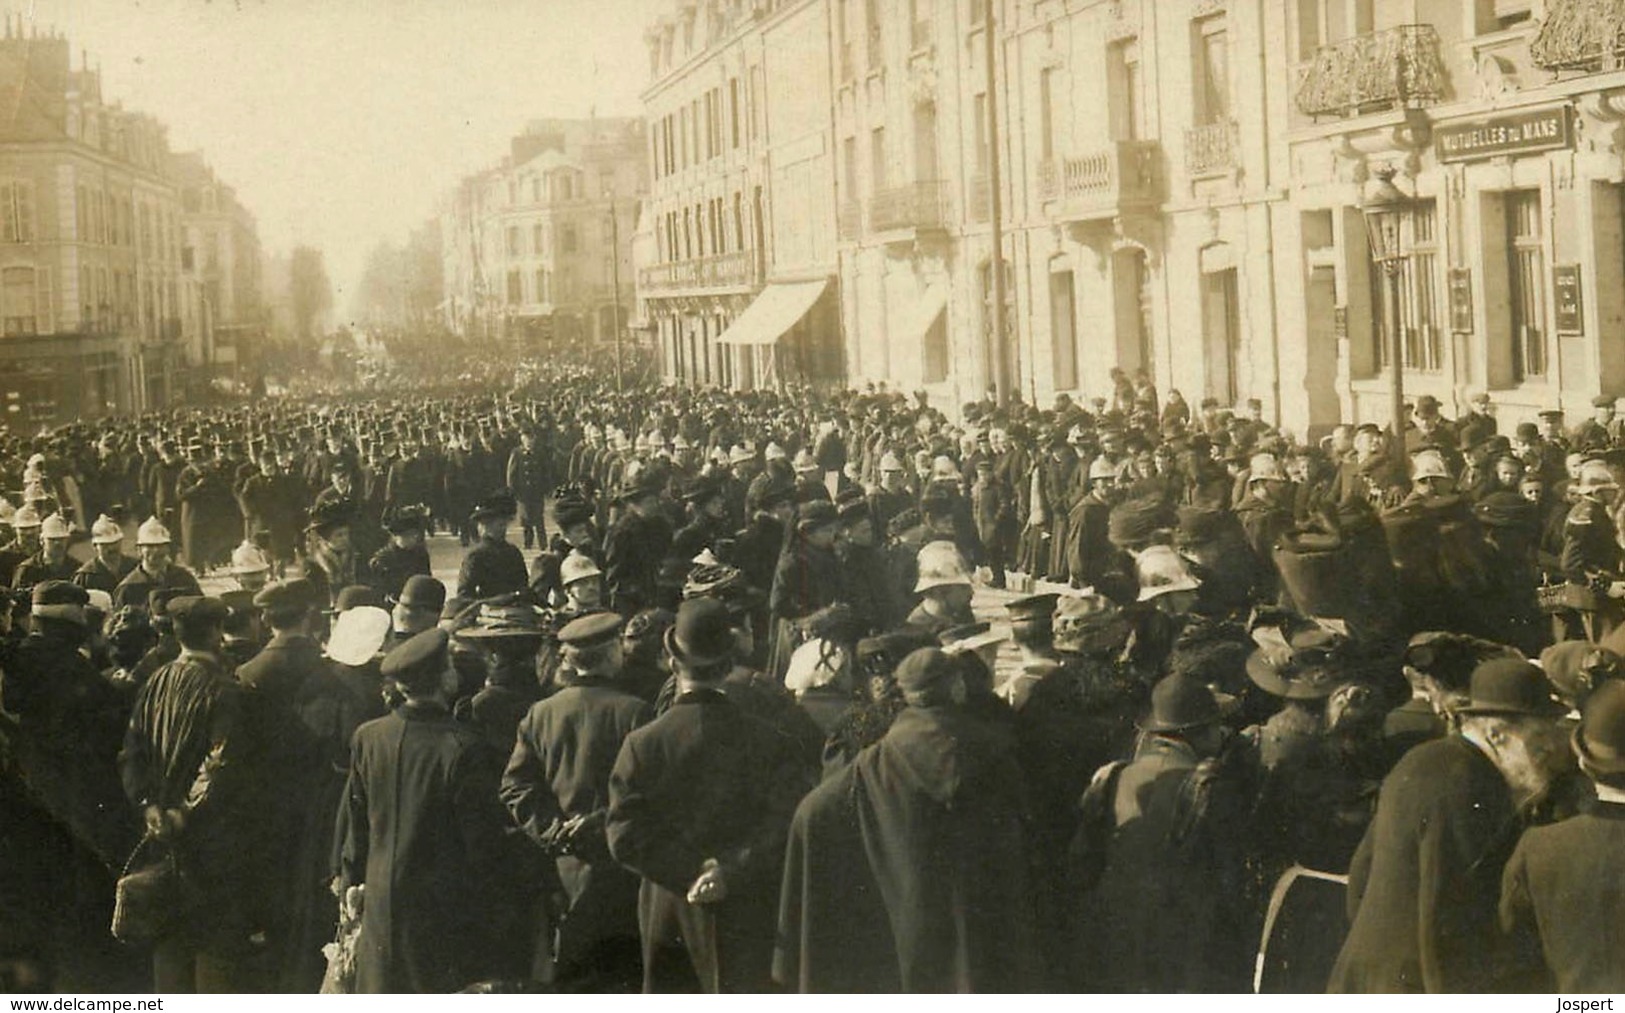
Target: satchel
{"x": 149, "y": 896}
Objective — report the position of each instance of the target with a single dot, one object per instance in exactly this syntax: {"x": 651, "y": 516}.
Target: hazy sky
{"x": 341, "y": 122}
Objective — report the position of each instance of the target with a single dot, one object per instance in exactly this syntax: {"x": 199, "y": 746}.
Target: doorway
{"x": 1221, "y": 324}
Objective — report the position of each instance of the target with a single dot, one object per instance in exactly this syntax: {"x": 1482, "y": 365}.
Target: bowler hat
{"x": 422, "y": 591}
{"x": 1180, "y": 703}
{"x": 1512, "y": 687}
{"x": 1599, "y": 741}
{"x": 703, "y": 634}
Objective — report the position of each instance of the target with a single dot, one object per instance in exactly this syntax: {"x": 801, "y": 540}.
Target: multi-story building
{"x": 221, "y": 267}
{"x": 534, "y": 249}
{"x": 740, "y": 282}
{"x": 90, "y": 302}
{"x": 1502, "y": 121}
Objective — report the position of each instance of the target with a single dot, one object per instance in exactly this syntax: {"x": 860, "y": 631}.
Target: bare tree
{"x": 309, "y": 292}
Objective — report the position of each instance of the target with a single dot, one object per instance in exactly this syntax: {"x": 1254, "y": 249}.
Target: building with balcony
{"x": 737, "y": 273}
{"x": 91, "y": 316}
{"x": 538, "y": 249}
{"x": 223, "y": 311}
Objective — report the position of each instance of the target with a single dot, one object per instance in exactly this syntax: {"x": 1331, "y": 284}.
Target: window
{"x": 739, "y": 221}
{"x": 979, "y": 138}
{"x": 843, "y": 40}
{"x": 1212, "y": 71}
{"x": 1125, "y": 90}
{"x": 871, "y": 18}
{"x": 567, "y": 239}
{"x": 17, "y": 212}
{"x": 877, "y": 159}
{"x": 541, "y": 285}
{"x": 925, "y": 142}
{"x": 513, "y": 240}
{"x": 654, "y": 149}
{"x": 18, "y": 308}
{"x": 733, "y": 110}
{"x": 1527, "y": 284}
{"x": 985, "y": 278}
{"x": 537, "y": 245}
{"x": 710, "y": 120}
{"x": 1419, "y": 293}
{"x": 516, "y": 289}
{"x": 920, "y": 23}
{"x": 849, "y": 165}
{"x": 1323, "y": 22}
{"x": 682, "y": 142}
{"x": 1063, "y": 330}
{"x": 935, "y": 352}
{"x": 535, "y": 190}
{"x": 1508, "y": 14}
{"x": 1046, "y": 113}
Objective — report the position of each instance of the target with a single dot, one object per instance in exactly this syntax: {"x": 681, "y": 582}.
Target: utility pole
{"x": 615, "y": 285}
{"x": 1001, "y": 362}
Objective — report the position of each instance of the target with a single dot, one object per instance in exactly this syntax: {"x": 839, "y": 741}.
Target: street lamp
{"x": 1384, "y": 210}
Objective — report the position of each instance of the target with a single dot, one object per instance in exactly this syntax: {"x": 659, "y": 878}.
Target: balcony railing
{"x": 1123, "y": 173}
{"x": 918, "y": 205}
{"x": 723, "y": 270}
{"x": 1396, "y": 67}
{"x": 849, "y": 219}
{"x": 1587, "y": 35}
{"x": 1213, "y": 149}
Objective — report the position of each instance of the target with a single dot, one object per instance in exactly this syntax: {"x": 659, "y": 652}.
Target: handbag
{"x": 148, "y": 898}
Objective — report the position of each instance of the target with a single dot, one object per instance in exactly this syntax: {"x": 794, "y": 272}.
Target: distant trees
{"x": 310, "y": 293}
{"x": 400, "y": 287}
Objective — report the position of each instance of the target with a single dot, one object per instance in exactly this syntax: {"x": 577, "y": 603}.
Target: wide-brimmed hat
{"x": 407, "y": 519}
{"x": 249, "y": 558}
{"x": 328, "y": 517}
{"x": 503, "y": 622}
{"x": 1161, "y": 570}
{"x": 644, "y": 483}
{"x": 497, "y": 504}
{"x": 1599, "y": 740}
{"x": 1180, "y": 703}
{"x": 703, "y": 634}
{"x": 1578, "y": 667}
{"x": 971, "y": 637}
{"x": 577, "y": 566}
{"x": 1301, "y": 664}
{"x": 1512, "y": 687}
{"x": 940, "y": 565}
{"x": 358, "y": 635}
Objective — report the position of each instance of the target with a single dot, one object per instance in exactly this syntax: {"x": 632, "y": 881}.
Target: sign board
{"x": 1461, "y": 300}
{"x": 1340, "y": 323}
{"x": 1517, "y": 134}
{"x": 1566, "y": 295}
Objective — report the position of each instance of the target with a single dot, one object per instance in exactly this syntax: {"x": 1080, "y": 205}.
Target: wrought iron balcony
{"x": 724, "y": 270}
{"x": 921, "y": 204}
{"x": 1396, "y": 67}
{"x": 1213, "y": 149}
{"x": 1103, "y": 183}
{"x": 1585, "y": 35}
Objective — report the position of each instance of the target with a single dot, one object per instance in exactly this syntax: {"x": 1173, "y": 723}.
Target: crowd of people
{"x": 708, "y": 706}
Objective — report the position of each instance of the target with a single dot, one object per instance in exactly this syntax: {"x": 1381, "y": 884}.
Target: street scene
{"x": 812, "y": 496}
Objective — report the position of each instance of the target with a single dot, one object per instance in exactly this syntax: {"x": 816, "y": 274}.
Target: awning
{"x": 773, "y": 313}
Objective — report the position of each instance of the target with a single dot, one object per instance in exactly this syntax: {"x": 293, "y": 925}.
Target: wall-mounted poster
{"x": 1461, "y": 300}
{"x": 1567, "y": 298}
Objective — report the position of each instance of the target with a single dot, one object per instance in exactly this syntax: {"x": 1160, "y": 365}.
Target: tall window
{"x": 925, "y": 142}
{"x": 733, "y": 110}
{"x": 1526, "y": 277}
{"x": 849, "y": 167}
{"x": 1125, "y": 90}
{"x": 871, "y": 19}
{"x": 541, "y": 285}
{"x": 516, "y": 289}
{"x": 18, "y": 306}
{"x": 739, "y": 221}
{"x": 1063, "y": 330}
{"x": 567, "y": 239}
{"x": 980, "y": 138}
{"x": 513, "y": 240}
{"x": 1046, "y": 113}
{"x": 877, "y": 159}
{"x": 1420, "y": 293}
{"x": 17, "y": 212}
{"x": 536, "y": 237}
{"x": 843, "y": 38}
{"x": 1212, "y": 70}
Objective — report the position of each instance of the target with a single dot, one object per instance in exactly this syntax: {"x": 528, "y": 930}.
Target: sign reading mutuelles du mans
{"x": 1519, "y": 133}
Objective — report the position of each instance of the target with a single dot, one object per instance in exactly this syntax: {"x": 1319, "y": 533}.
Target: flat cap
{"x": 417, "y": 655}
{"x": 195, "y": 609}
{"x": 591, "y": 630}
{"x": 59, "y": 599}
{"x": 924, "y": 669}
{"x": 1038, "y": 606}
{"x": 286, "y": 595}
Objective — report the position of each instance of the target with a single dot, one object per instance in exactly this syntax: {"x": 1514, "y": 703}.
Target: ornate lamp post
{"x": 1385, "y": 209}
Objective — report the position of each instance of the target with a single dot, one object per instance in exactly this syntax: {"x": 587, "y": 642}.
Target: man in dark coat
{"x": 494, "y": 566}
{"x": 188, "y": 766}
{"x": 636, "y": 544}
{"x": 1424, "y": 884}
{"x": 423, "y": 858}
{"x": 556, "y": 788}
{"x": 808, "y": 576}
{"x": 527, "y": 476}
{"x": 405, "y": 556}
{"x": 1563, "y": 891}
{"x": 700, "y": 801}
{"x": 1159, "y": 857}
{"x": 108, "y": 565}
{"x": 929, "y": 823}
{"x": 274, "y": 501}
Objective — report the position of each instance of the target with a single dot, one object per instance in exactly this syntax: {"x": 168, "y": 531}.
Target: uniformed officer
{"x": 156, "y": 570}
{"x": 109, "y": 564}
